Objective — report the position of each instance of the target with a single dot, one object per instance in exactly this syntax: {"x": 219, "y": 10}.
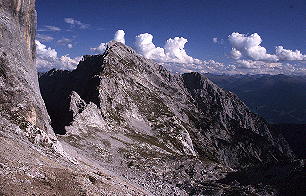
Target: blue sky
{"x": 277, "y": 22}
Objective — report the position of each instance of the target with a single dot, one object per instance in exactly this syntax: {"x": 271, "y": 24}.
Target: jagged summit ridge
{"x": 119, "y": 48}
{"x": 156, "y": 133}
{"x": 140, "y": 116}
{"x": 32, "y": 160}
{"x": 139, "y": 96}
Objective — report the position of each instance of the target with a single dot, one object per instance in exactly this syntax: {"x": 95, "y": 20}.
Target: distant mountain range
{"x": 277, "y": 98}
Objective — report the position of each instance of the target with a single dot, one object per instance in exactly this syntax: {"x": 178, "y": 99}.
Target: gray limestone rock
{"x": 20, "y": 98}
{"x": 172, "y": 134}
{"x": 129, "y": 127}
{"x": 32, "y": 160}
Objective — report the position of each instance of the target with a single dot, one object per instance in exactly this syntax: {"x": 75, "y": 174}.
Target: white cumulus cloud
{"x": 100, "y": 49}
{"x": 236, "y": 54}
{"x": 284, "y": 54}
{"x": 249, "y": 46}
{"x": 119, "y": 36}
{"x": 173, "y": 50}
{"x": 47, "y": 58}
{"x": 145, "y": 45}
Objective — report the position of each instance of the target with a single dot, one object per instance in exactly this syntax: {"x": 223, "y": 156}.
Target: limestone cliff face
{"x": 158, "y": 133}
{"x": 184, "y": 115}
{"x": 20, "y": 99}
{"x": 32, "y": 161}
{"x": 169, "y": 133}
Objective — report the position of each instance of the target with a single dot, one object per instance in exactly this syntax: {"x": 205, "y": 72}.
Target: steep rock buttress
{"x": 20, "y": 99}
{"x": 133, "y": 116}
{"x": 32, "y": 161}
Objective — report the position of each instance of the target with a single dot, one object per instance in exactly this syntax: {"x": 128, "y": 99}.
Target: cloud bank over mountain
{"x": 173, "y": 50}
{"x": 47, "y": 58}
{"x": 119, "y": 36}
{"x": 247, "y": 54}
{"x": 284, "y": 54}
{"x": 249, "y": 47}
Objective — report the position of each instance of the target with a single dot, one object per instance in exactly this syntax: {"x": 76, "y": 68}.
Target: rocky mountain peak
{"x": 186, "y": 115}
{"x": 122, "y": 50}
{"x": 126, "y": 126}
{"x": 32, "y": 160}
{"x": 121, "y": 59}
{"x": 140, "y": 116}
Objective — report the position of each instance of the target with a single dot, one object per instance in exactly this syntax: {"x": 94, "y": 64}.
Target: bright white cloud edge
{"x": 173, "y": 50}
{"x": 175, "y": 58}
{"x": 249, "y": 47}
{"x": 47, "y": 58}
{"x": 119, "y": 37}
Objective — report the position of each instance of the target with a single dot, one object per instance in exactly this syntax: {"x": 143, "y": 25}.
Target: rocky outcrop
{"x": 32, "y": 161}
{"x": 234, "y": 133}
{"x": 187, "y": 114}
{"x": 128, "y": 126}
{"x": 83, "y": 81}
{"x": 20, "y": 99}
{"x": 171, "y": 134}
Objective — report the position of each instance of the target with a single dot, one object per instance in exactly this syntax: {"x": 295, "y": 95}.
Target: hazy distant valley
{"x": 280, "y": 99}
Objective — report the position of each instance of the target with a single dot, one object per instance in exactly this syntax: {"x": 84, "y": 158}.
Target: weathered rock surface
{"x": 20, "y": 95}
{"x": 32, "y": 161}
{"x": 131, "y": 127}
{"x": 171, "y": 134}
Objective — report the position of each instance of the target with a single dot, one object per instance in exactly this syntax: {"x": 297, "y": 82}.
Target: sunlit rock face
{"x": 168, "y": 132}
{"x": 20, "y": 98}
{"x": 32, "y": 160}
{"x": 128, "y": 127}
